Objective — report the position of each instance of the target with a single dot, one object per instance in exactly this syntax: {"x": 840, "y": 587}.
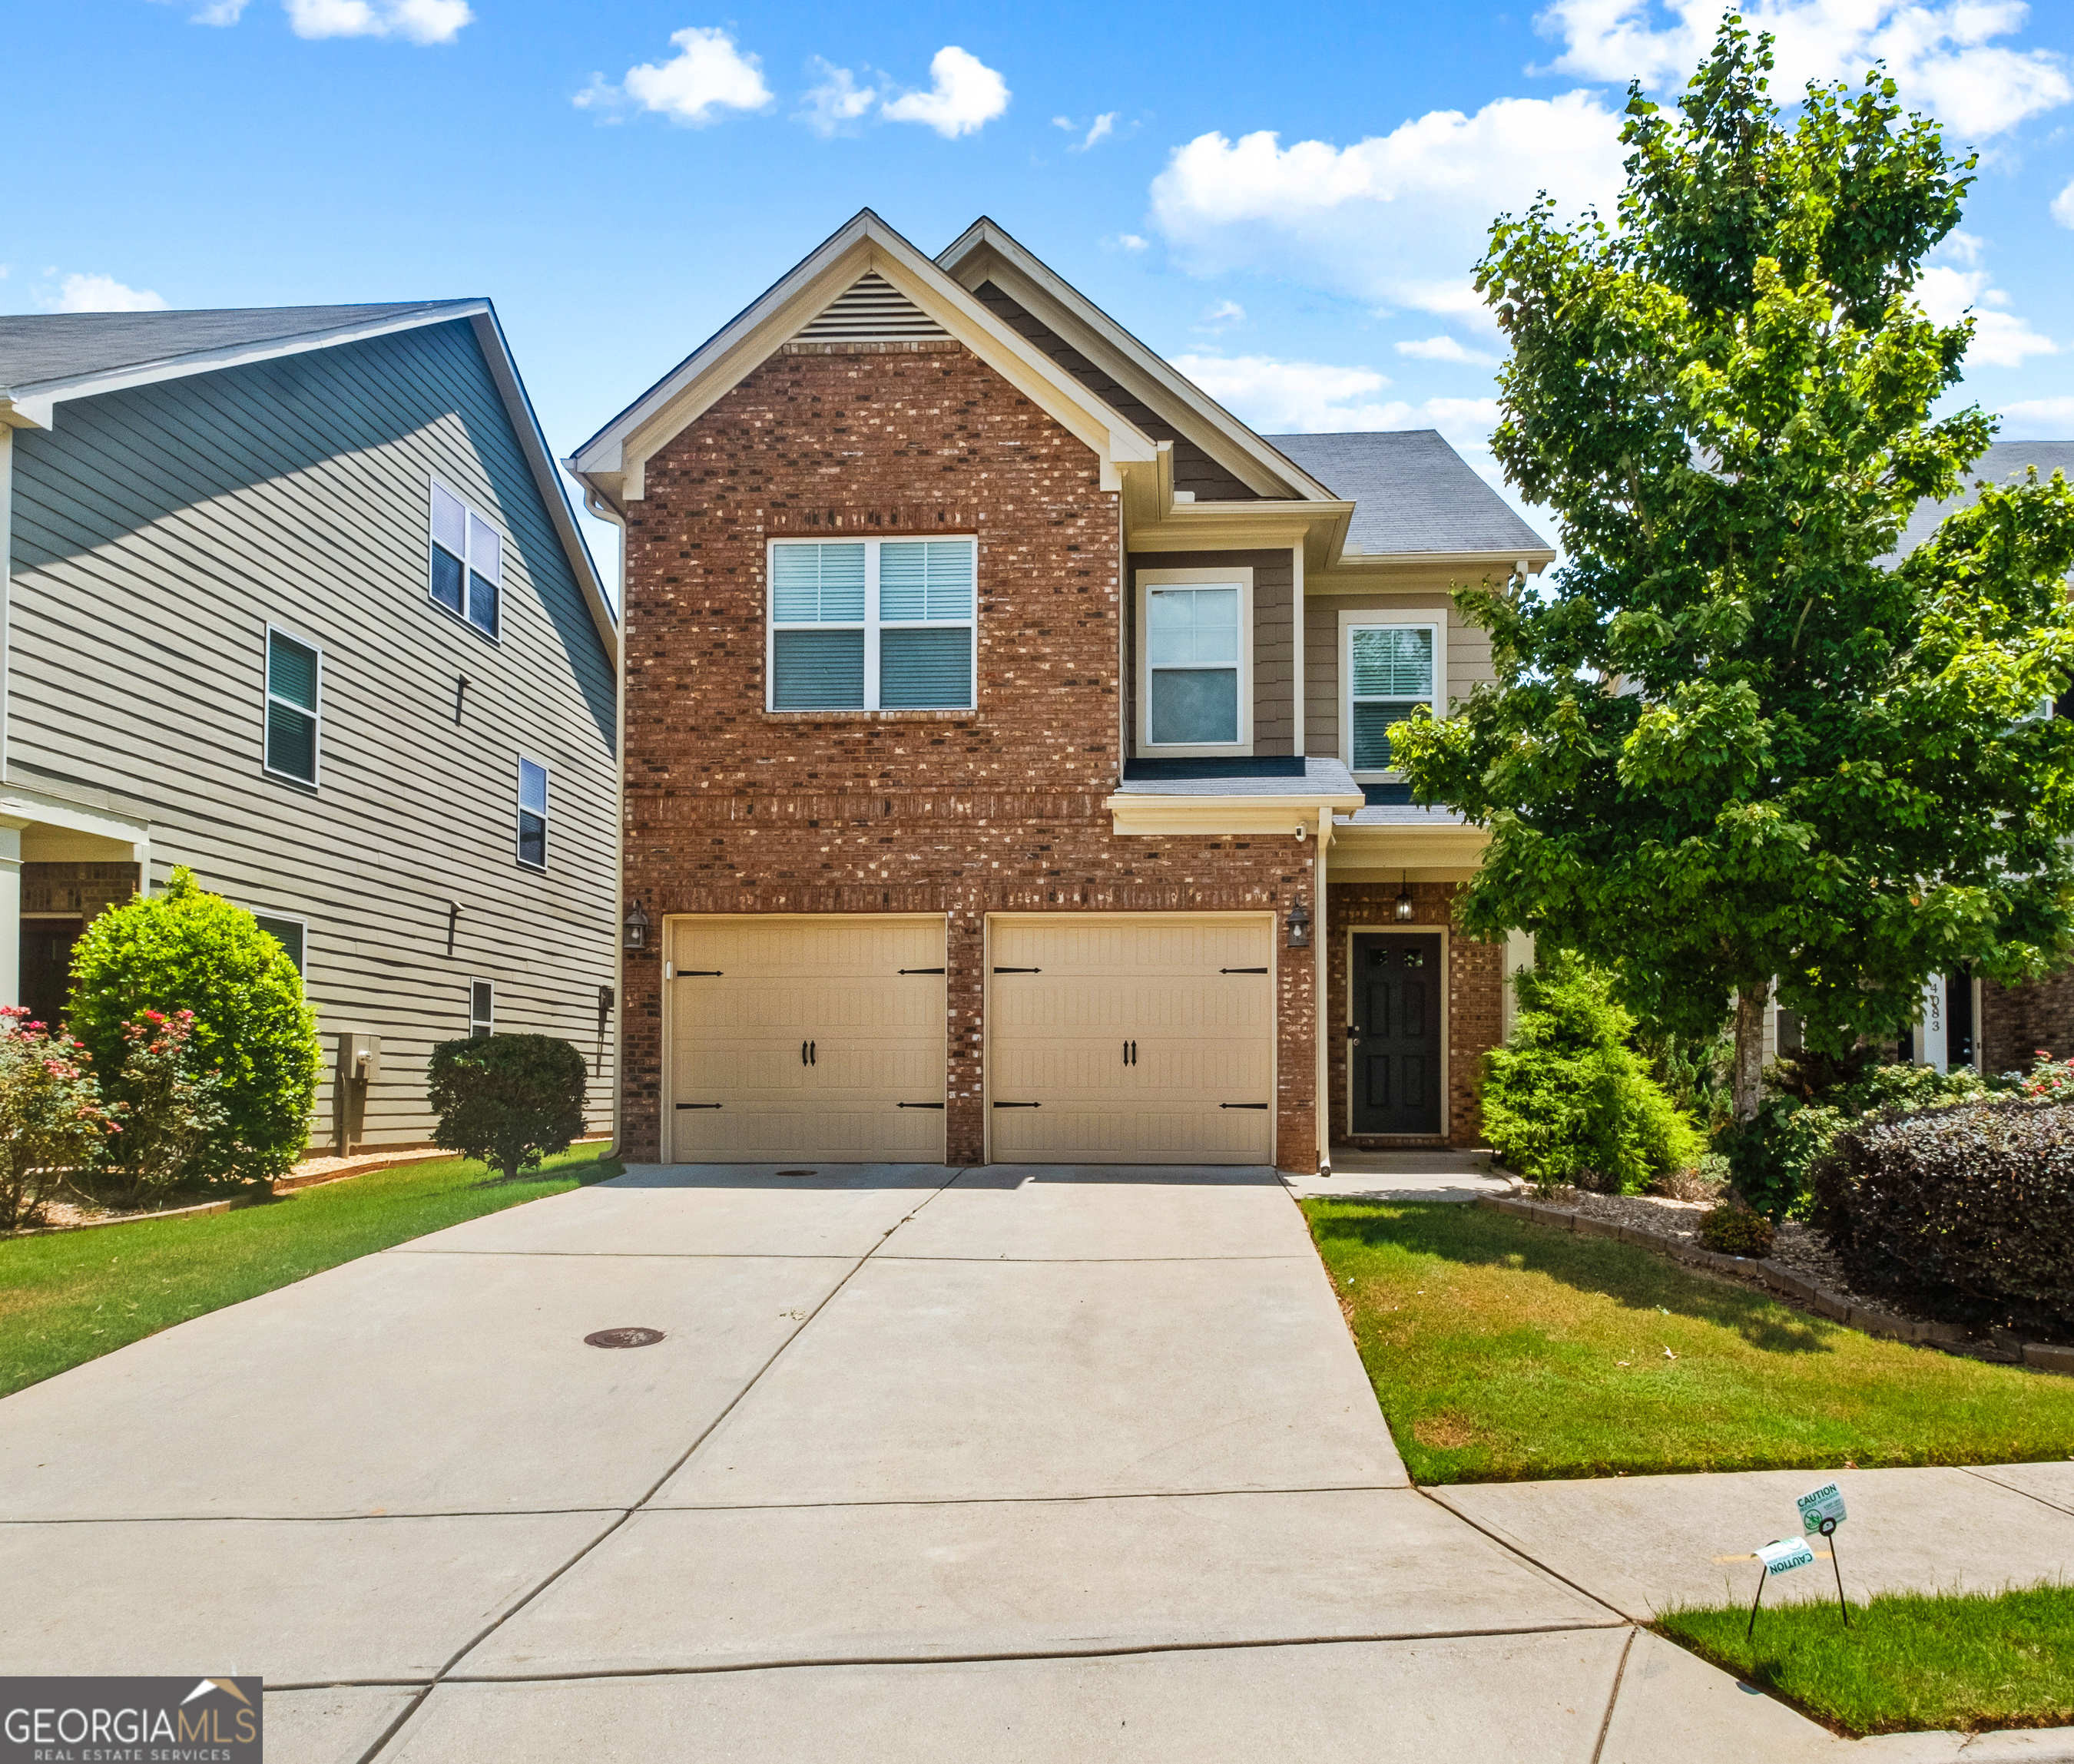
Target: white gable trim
{"x": 620, "y": 451}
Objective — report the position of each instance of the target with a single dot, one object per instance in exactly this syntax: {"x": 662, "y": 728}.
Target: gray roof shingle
{"x": 36, "y": 348}
{"x": 2004, "y": 460}
{"x": 1412, "y": 491}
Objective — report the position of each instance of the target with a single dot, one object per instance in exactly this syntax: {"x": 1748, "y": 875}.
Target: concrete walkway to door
{"x": 1007, "y": 1464}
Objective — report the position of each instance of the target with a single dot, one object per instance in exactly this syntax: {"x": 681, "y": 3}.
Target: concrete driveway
{"x": 1056, "y": 1465}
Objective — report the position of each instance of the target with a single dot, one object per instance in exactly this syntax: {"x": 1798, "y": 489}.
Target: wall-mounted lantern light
{"x": 1299, "y": 926}
{"x": 637, "y": 927}
{"x": 1404, "y": 906}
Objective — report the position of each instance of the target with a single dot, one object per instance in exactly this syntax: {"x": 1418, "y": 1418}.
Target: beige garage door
{"x": 1131, "y": 1038}
{"x": 806, "y": 1038}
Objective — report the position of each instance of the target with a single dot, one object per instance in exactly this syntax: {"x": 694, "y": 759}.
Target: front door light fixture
{"x": 1299, "y": 926}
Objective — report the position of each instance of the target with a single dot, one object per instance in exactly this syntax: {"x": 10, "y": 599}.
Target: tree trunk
{"x": 1748, "y": 1075}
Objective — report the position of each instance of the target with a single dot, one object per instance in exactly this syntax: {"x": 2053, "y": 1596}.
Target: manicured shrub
{"x": 1736, "y": 1231}
{"x": 1808, "y": 1102}
{"x": 1964, "y": 1213}
{"x": 51, "y": 1118}
{"x": 165, "y": 1105}
{"x": 1568, "y": 1098}
{"x": 508, "y": 1100}
{"x": 188, "y": 950}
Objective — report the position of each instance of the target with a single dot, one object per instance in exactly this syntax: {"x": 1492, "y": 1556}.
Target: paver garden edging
{"x": 1793, "y": 1285}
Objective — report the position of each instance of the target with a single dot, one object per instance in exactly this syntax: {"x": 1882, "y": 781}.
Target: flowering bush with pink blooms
{"x": 2048, "y": 1080}
{"x": 52, "y": 1120}
{"x": 165, "y": 1103}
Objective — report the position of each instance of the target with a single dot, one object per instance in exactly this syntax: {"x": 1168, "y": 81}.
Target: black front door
{"x": 1394, "y": 1040}
{"x": 47, "y": 966}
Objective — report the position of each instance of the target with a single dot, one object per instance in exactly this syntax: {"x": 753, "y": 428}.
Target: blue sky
{"x": 1288, "y": 204}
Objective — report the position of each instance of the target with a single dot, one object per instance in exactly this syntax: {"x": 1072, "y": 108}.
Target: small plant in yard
{"x": 166, "y": 1106}
{"x": 1964, "y": 1212}
{"x": 2048, "y": 1080}
{"x": 1569, "y": 1099}
{"x": 188, "y": 950}
{"x": 1733, "y": 1230}
{"x": 508, "y": 1100}
{"x": 51, "y": 1117}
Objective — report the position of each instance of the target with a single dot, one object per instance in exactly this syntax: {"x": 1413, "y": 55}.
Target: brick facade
{"x": 2018, "y": 1020}
{"x": 1476, "y": 974}
{"x": 731, "y": 808}
{"x": 88, "y": 889}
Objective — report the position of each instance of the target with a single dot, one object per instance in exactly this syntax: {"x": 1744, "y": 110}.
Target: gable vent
{"x": 874, "y": 311}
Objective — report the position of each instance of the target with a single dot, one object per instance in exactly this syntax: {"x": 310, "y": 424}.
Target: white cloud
{"x": 1279, "y": 397}
{"x": 1445, "y": 349}
{"x": 707, "y": 74}
{"x": 837, "y": 100}
{"x": 415, "y": 21}
{"x": 1943, "y": 56}
{"x": 965, "y": 94}
{"x": 1222, "y": 316}
{"x": 78, "y": 293}
{"x": 1130, "y": 241}
{"x": 1399, "y": 218}
{"x": 222, "y": 12}
{"x": 2000, "y": 339}
{"x": 1100, "y": 129}
{"x": 2042, "y": 413}
{"x": 2063, "y": 207}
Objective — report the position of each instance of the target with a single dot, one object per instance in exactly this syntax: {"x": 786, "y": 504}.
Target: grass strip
{"x": 1501, "y": 1350}
{"x": 72, "y": 1296}
{"x": 1908, "y": 1662}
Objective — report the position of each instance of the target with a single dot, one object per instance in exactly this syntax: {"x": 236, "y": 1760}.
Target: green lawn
{"x": 76, "y": 1295}
{"x": 1501, "y": 1349}
{"x": 1908, "y": 1662}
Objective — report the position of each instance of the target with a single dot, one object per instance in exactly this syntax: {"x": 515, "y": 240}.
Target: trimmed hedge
{"x": 507, "y": 1100}
{"x": 1965, "y": 1213}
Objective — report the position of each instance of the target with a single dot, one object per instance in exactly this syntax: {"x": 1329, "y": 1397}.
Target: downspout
{"x": 1321, "y": 917}
{"x": 604, "y": 511}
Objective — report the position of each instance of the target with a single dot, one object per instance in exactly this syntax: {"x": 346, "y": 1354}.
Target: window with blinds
{"x": 532, "y": 813}
{"x": 467, "y": 561}
{"x": 1391, "y": 673}
{"x": 873, "y": 624}
{"x": 293, "y": 668}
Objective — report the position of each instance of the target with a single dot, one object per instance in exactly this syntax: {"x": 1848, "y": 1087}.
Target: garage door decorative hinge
{"x": 919, "y": 1105}
{"x": 920, "y": 970}
{"x": 714, "y": 974}
{"x": 1018, "y": 971}
{"x": 698, "y": 1105}
{"x": 1018, "y": 1105}
{"x": 1241, "y": 971}
{"x": 1241, "y": 1105}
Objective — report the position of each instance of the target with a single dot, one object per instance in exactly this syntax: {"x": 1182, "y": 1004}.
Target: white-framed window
{"x": 291, "y": 934}
{"x": 467, "y": 563}
{"x": 295, "y": 684}
{"x": 532, "y": 813}
{"x": 874, "y": 625}
{"x": 482, "y": 1008}
{"x": 1195, "y": 661}
{"x": 1390, "y": 663}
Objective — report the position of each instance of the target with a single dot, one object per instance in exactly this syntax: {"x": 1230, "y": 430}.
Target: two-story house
{"x": 294, "y": 596}
{"x": 1008, "y": 769}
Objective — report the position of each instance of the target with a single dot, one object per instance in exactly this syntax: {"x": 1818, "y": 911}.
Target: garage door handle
{"x": 1018, "y": 1105}
{"x": 1241, "y": 1105}
{"x": 1241, "y": 971}
{"x": 921, "y": 970}
{"x": 1130, "y": 1053}
{"x": 1018, "y": 971}
{"x": 918, "y": 1105}
{"x": 698, "y": 1105}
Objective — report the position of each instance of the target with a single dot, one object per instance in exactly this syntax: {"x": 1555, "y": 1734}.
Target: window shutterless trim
{"x": 522, "y": 813}
{"x": 1416, "y": 618}
{"x": 470, "y": 512}
{"x": 482, "y": 1024}
{"x": 314, "y": 711}
{"x": 1240, "y": 577}
{"x": 872, "y": 627}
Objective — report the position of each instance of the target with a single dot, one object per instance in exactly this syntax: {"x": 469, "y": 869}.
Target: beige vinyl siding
{"x": 1274, "y": 638}
{"x": 1469, "y": 657}
{"x": 157, "y": 531}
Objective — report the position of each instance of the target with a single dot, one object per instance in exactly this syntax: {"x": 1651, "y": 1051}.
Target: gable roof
{"x": 612, "y": 462}
{"x": 47, "y": 358}
{"x": 1412, "y": 492}
{"x": 2003, "y": 461}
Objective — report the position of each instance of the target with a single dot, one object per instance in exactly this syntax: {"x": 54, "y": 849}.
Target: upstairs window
{"x": 293, "y": 669}
{"x": 532, "y": 815}
{"x": 1392, "y": 669}
{"x": 289, "y": 933}
{"x": 482, "y": 1008}
{"x": 1195, "y": 683}
{"x": 468, "y": 561}
{"x": 873, "y": 624}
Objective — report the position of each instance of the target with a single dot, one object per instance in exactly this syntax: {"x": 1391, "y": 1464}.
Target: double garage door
{"x": 1145, "y": 1038}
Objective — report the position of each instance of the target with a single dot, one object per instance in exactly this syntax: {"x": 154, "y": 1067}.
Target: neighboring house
{"x": 1008, "y": 769}
{"x": 1967, "y": 1021}
{"x": 294, "y": 597}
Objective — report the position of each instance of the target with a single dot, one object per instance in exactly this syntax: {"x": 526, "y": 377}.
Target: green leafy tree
{"x": 507, "y": 1100}
{"x": 1731, "y": 741}
{"x": 188, "y": 950}
{"x": 1568, "y": 1098}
